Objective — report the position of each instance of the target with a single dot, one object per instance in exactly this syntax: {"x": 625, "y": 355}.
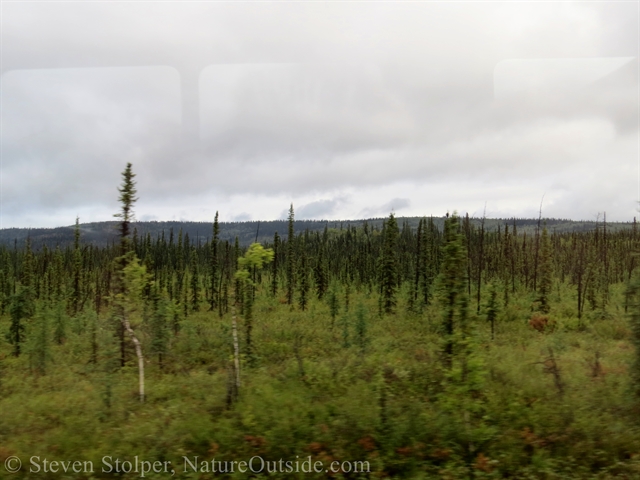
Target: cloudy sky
{"x": 348, "y": 110}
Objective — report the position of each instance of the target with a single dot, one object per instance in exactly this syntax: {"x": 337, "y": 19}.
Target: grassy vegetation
{"x": 552, "y": 404}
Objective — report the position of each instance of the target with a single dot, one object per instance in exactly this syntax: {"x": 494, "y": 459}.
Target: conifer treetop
{"x": 127, "y": 199}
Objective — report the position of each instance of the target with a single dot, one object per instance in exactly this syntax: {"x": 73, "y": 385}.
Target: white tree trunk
{"x": 136, "y": 342}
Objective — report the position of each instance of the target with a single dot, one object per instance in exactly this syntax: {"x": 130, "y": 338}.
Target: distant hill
{"x": 103, "y": 233}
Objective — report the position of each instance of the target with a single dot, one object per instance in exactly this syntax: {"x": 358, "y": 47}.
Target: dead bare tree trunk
{"x": 136, "y": 342}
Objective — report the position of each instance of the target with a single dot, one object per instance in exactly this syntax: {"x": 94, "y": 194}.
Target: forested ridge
{"x": 102, "y": 234}
{"x": 427, "y": 348}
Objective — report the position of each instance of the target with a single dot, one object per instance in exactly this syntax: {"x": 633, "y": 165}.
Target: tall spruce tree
{"x": 274, "y": 267}
{"x": 320, "y": 273}
{"x": 237, "y": 293}
{"x": 127, "y": 199}
{"x": 77, "y": 270}
{"x": 213, "y": 268}
{"x": 195, "y": 284}
{"x": 304, "y": 286}
{"x": 545, "y": 266}
{"x": 131, "y": 277}
{"x": 415, "y": 284}
{"x": 480, "y": 264}
{"x": 429, "y": 259}
{"x": 389, "y": 266}
{"x": 28, "y": 273}
{"x": 507, "y": 255}
{"x": 453, "y": 285}
{"x": 20, "y": 309}
{"x": 22, "y": 302}
{"x": 291, "y": 260}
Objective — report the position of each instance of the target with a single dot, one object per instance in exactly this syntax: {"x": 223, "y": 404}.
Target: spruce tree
{"x": 545, "y": 266}
{"x": 195, "y": 284}
{"x": 180, "y": 269}
{"x": 429, "y": 259}
{"x": 453, "y": 285}
{"x": 303, "y": 276}
{"x": 507, "y": 255}
{"x": 77, "y": 270}
{"x": 291, "y": 260}
{"x": 415, "y": 284}
{"x": 237, "y": 294}
{"x": 467, "y": 229}
{"x": 131, "y": 278}
{"x": 274, "y": 267}
{"x": 213, "y": 268}
{"x": 22, "y": 303}
{"x": 57, "y": 274}
{"x": 480, "y": 265}
{"x": 389, "y": 266}
{"x": 28, "y": 280}
{"x": 127, "y": 199}
{"x": 462, "y": 398}
{"x": 20, "y": 309}
{"x": 320, "y": 274}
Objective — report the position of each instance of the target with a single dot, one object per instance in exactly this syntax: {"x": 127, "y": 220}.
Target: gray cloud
{"x": 393, "y": 205}
{"x": 300, "y": 102}
{"x": 316, "y": 210}
{"x": 241, "y": 217}
{"x": 149, "y": 218}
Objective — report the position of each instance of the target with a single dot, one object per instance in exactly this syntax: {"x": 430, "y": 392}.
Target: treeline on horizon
{"x": 106, "y": 233}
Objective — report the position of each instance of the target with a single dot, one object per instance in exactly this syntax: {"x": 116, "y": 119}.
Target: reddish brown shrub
{"x": 367, "y": 443}
{"x": 539, "y": 322}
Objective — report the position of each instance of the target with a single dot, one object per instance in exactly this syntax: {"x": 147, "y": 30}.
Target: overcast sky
{"x": 348, "y": 110}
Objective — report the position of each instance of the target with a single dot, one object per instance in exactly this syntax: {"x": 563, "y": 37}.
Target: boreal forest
{"x": 444, "y": 350}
